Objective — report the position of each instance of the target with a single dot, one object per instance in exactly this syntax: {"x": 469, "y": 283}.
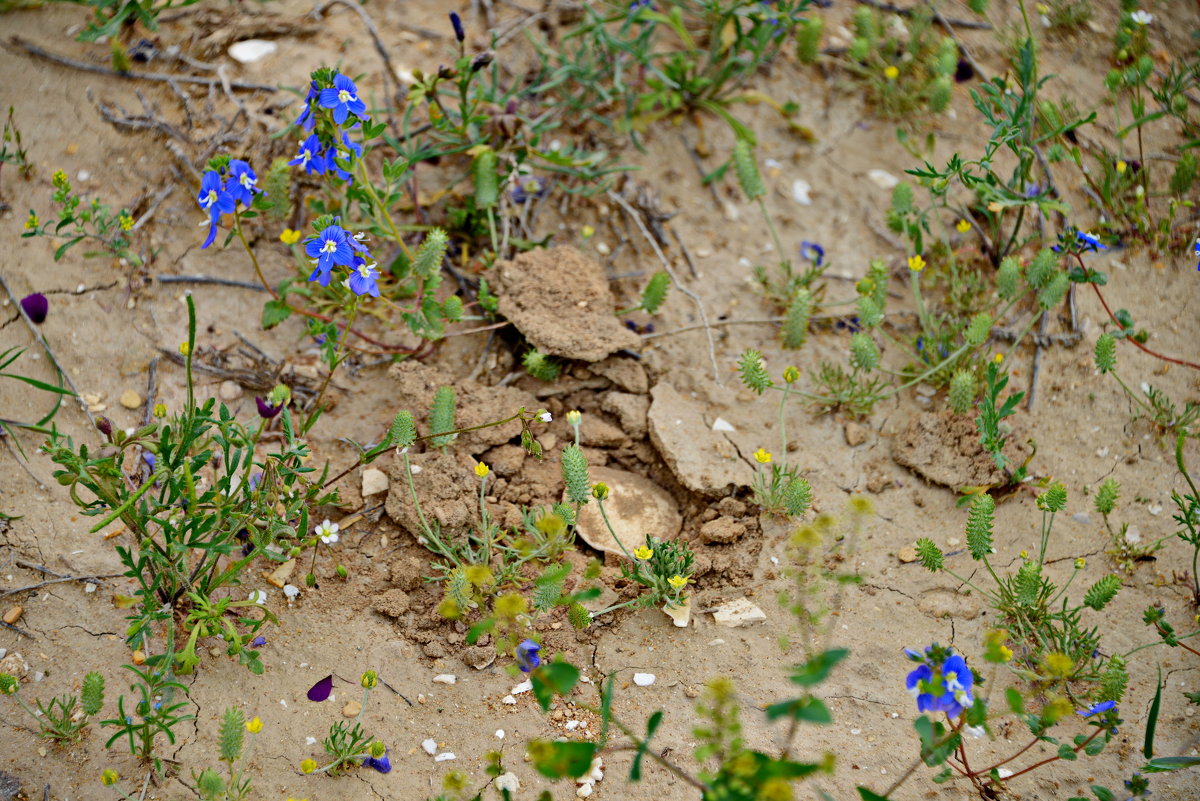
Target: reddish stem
{"x": 1135, "y": 343}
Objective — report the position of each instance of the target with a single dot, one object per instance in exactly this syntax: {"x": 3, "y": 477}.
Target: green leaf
{"x": 1065, "y": 751}
{"x": 806, "y": 709}
{"x": 274, "y": 313}
{"x": 1165, "y": 764}
{"x": 1016, "y": 702}
{"x": 635, "y": 770}
{"x": 58, "y": 254}
{"x": 1103, "y": 793}
{"x": 551, "y": 678}
{"x": 1152, "y": 719}
{"x": 556, "y": 760}
{"x": 870, "y": 795}
{"x": 815, "y": 670}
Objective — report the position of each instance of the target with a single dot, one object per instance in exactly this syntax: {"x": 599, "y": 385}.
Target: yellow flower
{"x": 962, "y": 226}
{"x": 308, "y": 766}
{"x": 254, "y": 725}
{"x": 999, "y": 357}
{"x": 289, "y": 237}
{"x": 481, "y": 470}
{"x": 791, "y": 375}
{"x": 185, "y": 348}
{"x": 1024, "y": 554}
{"x": 160, "y": 410}
{"x": 916, "y": 263}
{"x": 1080, "y": 563}
{"x": 762, "y": 457}
{"x": 643, "y": 553}
{"x": 33, "y": 222}
{"x": 678, "y": 582}
{"x": 1005, "y": 653}
{"x": 574, "y": 417}
{"x": 60, "y": 180}
{"x": 109, "y": 777}
{"x": 587, "y": 232}
{"x": 600, "y": 491}
{"x": 125, "y": 221}
{"x": 891, "y": 72}
{"x": 369, "y": 679}
{"x": 1059, "y": 664}
{"x": 509, "y": 605}
{"x": 1121, "y": 167}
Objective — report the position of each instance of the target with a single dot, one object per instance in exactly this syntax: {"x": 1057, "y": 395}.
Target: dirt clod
{"x": 703, "y": 460}
{"x": 392, "y": 603}
{"x": 723, "y": 530}
{"x": 943, "y": 447}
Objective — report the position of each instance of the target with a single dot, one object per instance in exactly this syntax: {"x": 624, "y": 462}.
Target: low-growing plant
{"x": 348, "y": 744}
{"x": 63, "y": 718}
{"x": 154, "y": 711}
{"x": 78, "y": 221}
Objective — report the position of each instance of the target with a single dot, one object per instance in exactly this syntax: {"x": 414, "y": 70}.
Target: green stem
{"x": 380, "y": 208}
{"x": 130, "y": 501}
{"x": 771, "y": 227}
{"x": 333, "y": 365}
{"x": 608, "y": 525}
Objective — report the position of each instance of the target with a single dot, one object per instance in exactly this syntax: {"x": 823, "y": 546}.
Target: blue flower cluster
{"x": 220, "y": 193}
{"x": 318, "y": 156}
{"x": 942, "y": 682}
{"x": 333, "y": 247}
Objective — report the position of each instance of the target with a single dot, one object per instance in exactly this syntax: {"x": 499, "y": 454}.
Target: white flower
{"x": 291, "y": 591}
{"x": 545, "y": 417}
{"x": 258, "y": 597}
{"x": 1142, "y": 17}
{"x": 328, "y": 532}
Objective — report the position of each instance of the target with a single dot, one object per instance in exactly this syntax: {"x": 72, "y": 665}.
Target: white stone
{"x": 737, "y": 613}
{"x": 374, "y": 481}
{"x": 643, "y": 679}
{"x": 523, "y": 687}
{"x": 430, "y": 746}
{"x": 584, "y": 790}
{"x": 508, "y": 699}
{"x": 230, "y": 390}
{"x": 445, "y": 756}
{"x": 499, "y": 734}
{"x": 508, "y": 781}
{"x": 800, "y": 190}
{"x": 883, "y": 179}
{"x": 721, "y": 424}
{"x": 572, "y": 725}
{"x": 445, "y": 678}
{"x": 251, "y": 50}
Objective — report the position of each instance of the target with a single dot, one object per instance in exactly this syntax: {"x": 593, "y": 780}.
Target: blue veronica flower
{"x": 1091, "y": 241}
{"x": 364, "y": 278}
{"x": 382, "y": 764}
{"x": 310, "y": 157}
{"x": 328, "y": 248}
{"x": 307, "y": 119}
{"x": 811, "y": 251}
{"x": 215, "y": 201}
{"x": 528, "y": 188}
{"x": 1096, "y": 709}
{"x": 243, "y": 183}
{"x": 527, "y": 656}
{"x": 347, "y": 151}
{"x": 258, "y": 642}
{"x": 637, "y": 5}
{"x": 1198, "y": 253}
{"x": 343, "y": 99}
{"x": 942, "y": 688}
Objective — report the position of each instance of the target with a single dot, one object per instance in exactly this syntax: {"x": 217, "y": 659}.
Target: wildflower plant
{"x": 155, "y": 710}
{"x": 233, "y": 750}
{"x": 79, "y": 220}
{"x": 64, "y": 717}
{"x": 348, "y": 744}
{"x": 779, "y": 489}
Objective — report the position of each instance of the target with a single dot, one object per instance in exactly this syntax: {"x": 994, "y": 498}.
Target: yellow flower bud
{"x": 369, "y": 679}
{"x": 308, "y": 766}
{"x": 962, "y": 226}
{"x": 481, "y": 470}
{"x": 916, "y": 263}
{"x": 643, "y": 553}
{"x": 125, "y": 221}
{"x": 995, "y": 207}
{"x": 185, "y": 348}
{"x": 254, "y": 725}
{"x": 762, "y": 457}
{"x": 891, "y": 72}
{"x": 600, "y": 491}
{"x": 574, "y": 417}
{"x": 999, "y": 357}
{"x": 1121, "y": 167}
{"x": 1080, "y": 563}
{"x": 587, "y": 232}
{"x": 109, "y": 777}
{"x": 791, "y": 375}
{"x": 160, "y": 410}
{"x": 1058, "y": 664}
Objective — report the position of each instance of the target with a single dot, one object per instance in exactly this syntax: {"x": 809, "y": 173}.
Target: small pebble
{"x": 499, "y": 734}
{"x": 508, "y": 699}
{"x": 430, "y": 746}
{"x": 800, "y": 192}
{"x": 444, "y": 757}
{"x": 523, "y": 687}
{"x": 1081, "y": 517}
{"x": 351, "y": 709}
{"x": 230, "y": 391}
{"x": 445, "y": 678}
{"x": 13, "y": 614}
{"x": 907, "y": 554}
{"x": 643, "y": 679}
{"x": 130, "y": 399}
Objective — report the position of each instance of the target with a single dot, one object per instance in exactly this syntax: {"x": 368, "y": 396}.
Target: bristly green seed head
{"x": 962, "y": 392}
{"x": 929, "y": 555}
{"x": 210, "y": 784}
{"x": 746, "y": 168}
{"x": 797, "y": 498}
{"x": 441, "y": 416}
{"x": 9, "y": 684}
{"x": 428, "y": 261}
{"x": 1106, "y": 496}
{"x": 1106, "y": 353}
{"x": 92, "y": 693}
{"x": 864, "y": 353}
{"x": 1042, "y": 269}
{"x": 231, "y": 734}
{"x": 1054, "y": 499}
{"x": 795, "y": 322}
{"x": 978, "y": 330}
{"x": 808, "y": 38}
{"x": 403, "y": 431}
{"x": 1103, "y": 591}
{"x": 575, "y": 474}
{"x": 1008, "y": 278}
{"x": 870, "y": 313}
{"x": 579, "y": 617}
{"x": 979, "y": 526}
{"x": 1054, "y": 291}
{"x": 541, "y": 366}
{"x": 753, "y": 373}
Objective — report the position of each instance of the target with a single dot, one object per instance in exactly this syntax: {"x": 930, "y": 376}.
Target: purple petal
{"x": 36, "y": 307}
{"x": 321, "y": 690}
{"x": 266, "y": 410}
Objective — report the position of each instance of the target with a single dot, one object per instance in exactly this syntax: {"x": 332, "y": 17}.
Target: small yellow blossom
{"x": 481, "y": 470}
{"x": 791, "y": 375}
{"x": 369, "y": 679}
{"x": 600, "y": 491}
{"x": 254, "y": 725}
{"x": 509, "y": 605}
{"x": 1080, "y": 563}
{"x": 1005, "y": 653}
{"x": 762, "y": 457}
{"x": 998, "y": 358}
{"x": 643, "y": 553}
{"x": 308, "y": 766}
{"x": 33, "y": 221}
{"x": 1059, "y": 664}
{"x": 125, "y": 221}
{"x": 160, "y": 410}
{"x": 678, "y": 582}
{"x": 109, "y": 777}
{"x": 994, "y": 207}
{"x": 891, "y": 72}
{"x": 1043, "y": 9}
{"x": 587, "y": 232}
{"x": 185, "y": 348}
{"x": 60, "y": 180}
{"x": 574, "y": 417}
{"x": 1024, "y": 554}
{"x": 1121, "y": 167}
{"x": 962, "y": 226}
{"x": 916, "y": 263}
{"x": 289, "y": 237}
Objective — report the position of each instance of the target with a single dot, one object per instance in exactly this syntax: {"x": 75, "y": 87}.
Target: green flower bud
{"x": 864, "y": 353}
{"x": 1106, "y": 353}
{"x": 962, "y": 392}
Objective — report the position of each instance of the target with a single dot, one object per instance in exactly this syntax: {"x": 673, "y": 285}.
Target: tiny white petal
{"x": 444, "y": 757}
{"x": 430, "y": 746}
{"x": 291, "y": 590}
{"x": 545, "y": 417}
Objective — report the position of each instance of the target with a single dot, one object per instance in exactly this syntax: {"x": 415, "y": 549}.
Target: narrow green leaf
{"x": 815, "y": 670}
{"x": 1152, "y": 720}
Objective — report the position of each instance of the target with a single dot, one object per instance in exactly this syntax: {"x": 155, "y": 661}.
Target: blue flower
{"x": 363, "y": 279}
{"x": 1197, "y": 251}
{"x": 243, "y": 183}
{"x": 214, "y": 200}
{"x": 310, "y": 157}
{"x": 343, "y": 99}
{"x": 307, "y": 119}
{"x": 456, "y": 23}
{"x": 382, "y": 764}
{"x": 1090, "y": 241}
{"x": 811, "y": 251}
{"x": 348, "y": 152}
{"x": 1075, "y": 241}
{"x": 527, "y": 655}
{"x": 528, "y": 188}
{"x": 1096, "y": 709}
{"x": 941, "y": 688}
{"x": 328, "y": 248}
{"x": 258, "y": 642}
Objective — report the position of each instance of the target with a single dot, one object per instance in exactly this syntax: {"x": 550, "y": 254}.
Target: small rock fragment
{"x": 721, "y": 424}
{"x": 479, "y": 656}
{"x": 883, "y": 179}
{"x": 430, "y": 746}
{"x": 643, "y": 679}
{"x": 445, "y": 756}
{"x": 738, "y": 613}
{"x": 351, "y": 709}
{"x": 856, "y": 434}
{"x": 722, "y": 531}
{"x": 130, "y": 399}
{"x": 508, "y": 781}
{"x": 251, "y": 50}
{"x": 374, "y": 481}
{"x": 445, "y": 678}
{"x": 508, "y": 699}
{"x": 278, "y": 577}
{"x": 13, "y": 614}
{"x": 800, "y": 190}
{"x": 680, "y": 615}
{"x": 523, "y": 687}
{"x": 907, "y": 554}
{"x": 230, "y": 390}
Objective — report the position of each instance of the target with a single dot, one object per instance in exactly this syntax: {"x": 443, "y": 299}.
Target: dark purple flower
{"x": 527, "y": 655}
{"x": 528, "y": 188}
{"x": 963, "y": 71}
{"x": 258, "y": 642}
{"x": 265, "y": 410}
{"x": 459, "y": 34}
{"x": 321, "y": 690}
{"x": 36, "y": 307}
{"x": 382, "y": 764}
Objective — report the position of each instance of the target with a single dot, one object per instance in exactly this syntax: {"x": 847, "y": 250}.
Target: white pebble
{"x": 282, "y": 702}
{"x": 430, "y": 746}
{"x": 310, "y": 740}
{"x": 584, "y": 790}
{"x": 89, "y": 588}
{"x": 643, "y": 679}
{"x": 721, "y": 424}
{"x": 508, "y": 699}
{"x": 572, "y": 725}
{"x": 523, "y": 687}
{"x": 445, "y": 678}
{"x": 499, "y": 734}
{"x": 508, "y": 781}
{"x": 1004, "y": 772}
{"x": 800, "y": 190}
{"x": 883, "y": 179}
{"x": 445, "y": 756}
{"x": 251, "y": 50}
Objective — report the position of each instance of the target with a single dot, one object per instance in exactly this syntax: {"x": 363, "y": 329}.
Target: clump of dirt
{"x": 943, "y": 447}
{"x": 445, "y": 486}
{"x": 559, "y": 299}
{"x": 703, "y": 460}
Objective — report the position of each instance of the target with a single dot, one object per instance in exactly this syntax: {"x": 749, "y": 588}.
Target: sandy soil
{"x": 108, "y": 320}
